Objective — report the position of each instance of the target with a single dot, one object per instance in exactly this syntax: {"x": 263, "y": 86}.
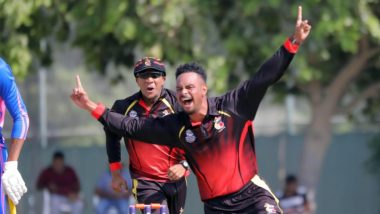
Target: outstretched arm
{"x": 246, "y": 99}
{"x": 160, "y": 130}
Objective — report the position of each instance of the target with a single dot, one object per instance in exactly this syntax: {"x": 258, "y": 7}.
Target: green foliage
{"x": 28, "y": 30}
{"x": 14, "y": 46}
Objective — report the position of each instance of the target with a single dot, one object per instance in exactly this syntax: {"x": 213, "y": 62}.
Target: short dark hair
{"x": 58, "y": 155}
{"x": 191, "y": 67}
{"x": 291, "y": 179}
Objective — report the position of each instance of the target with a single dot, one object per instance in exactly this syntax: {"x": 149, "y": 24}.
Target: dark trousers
{"x": 252, "y": 199}
{"x": 172, "y": 194}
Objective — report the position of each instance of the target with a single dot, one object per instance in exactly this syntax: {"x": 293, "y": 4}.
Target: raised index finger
{"x": 79, "y": 84}
{"x": 299, "y": 16}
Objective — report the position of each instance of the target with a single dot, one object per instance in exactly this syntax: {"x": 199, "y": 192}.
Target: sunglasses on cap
{"x": 146, "y": 75}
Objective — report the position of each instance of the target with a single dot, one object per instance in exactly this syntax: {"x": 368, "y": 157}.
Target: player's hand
{"x": 80, "y": 98}
{"x": 118, "y": 183}
{"x": 12, "y": 181}
{"x": 176, "y": 172}
{"x": 302, "y": 28}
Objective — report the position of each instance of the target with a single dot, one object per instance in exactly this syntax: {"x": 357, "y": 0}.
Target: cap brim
{"x": 146, "y": 69}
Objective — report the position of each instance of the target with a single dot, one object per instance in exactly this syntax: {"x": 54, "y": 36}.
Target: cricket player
{"x": 216, "y": 133}
{"x": 158, "y": 171}
{"x": 12, "y": 183}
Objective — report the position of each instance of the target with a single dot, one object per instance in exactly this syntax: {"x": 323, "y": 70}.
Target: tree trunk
{"x": 317, "y": 141}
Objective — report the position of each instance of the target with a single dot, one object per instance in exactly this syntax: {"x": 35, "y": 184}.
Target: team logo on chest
{"x": 189, "y": 136}
{"x": 165, "y": 113}
{"x": 219, "y": 124}
{"x": 133, "y": 113}
{"x": 270, "y": 208}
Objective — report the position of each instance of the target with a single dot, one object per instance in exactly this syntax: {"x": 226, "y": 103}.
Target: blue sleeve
{"x": 13, "y": 101}
{"x": 103, "y": 181}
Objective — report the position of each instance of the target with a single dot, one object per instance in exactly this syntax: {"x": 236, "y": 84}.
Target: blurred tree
{"x": 28, "y": 31}
{"x": 117, "y": 32}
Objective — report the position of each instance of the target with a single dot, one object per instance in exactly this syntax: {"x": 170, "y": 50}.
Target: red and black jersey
{"x": 146, "y": 161}
{"x": 220, "y": 149}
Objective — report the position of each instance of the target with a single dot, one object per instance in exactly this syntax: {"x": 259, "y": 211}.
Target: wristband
{"x": 291, "y": 45}
{"x": 115, "y": 166}
{"x": 98, "y": 111}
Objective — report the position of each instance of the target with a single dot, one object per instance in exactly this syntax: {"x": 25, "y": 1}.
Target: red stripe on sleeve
{"x": 98, "y": 111}
{"x": 115, "y": 166}
{"x": 289, "y": 46}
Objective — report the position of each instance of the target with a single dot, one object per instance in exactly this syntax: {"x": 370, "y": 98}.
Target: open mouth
{"x": 149, "y": 89}
{"x": 187, "y": 101}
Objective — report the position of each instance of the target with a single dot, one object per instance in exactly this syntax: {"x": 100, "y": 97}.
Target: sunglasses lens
{"x": 148, "y": 75}
{"x": 155, "y": 76}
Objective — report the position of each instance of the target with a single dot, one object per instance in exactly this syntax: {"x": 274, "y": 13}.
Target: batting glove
{"x": 12, "y": 181}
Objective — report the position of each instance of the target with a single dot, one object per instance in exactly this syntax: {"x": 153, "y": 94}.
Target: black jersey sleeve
{"x": 158, "y": 130}
{"x": 113, "y": 139}
{"x": 245, "y": 99}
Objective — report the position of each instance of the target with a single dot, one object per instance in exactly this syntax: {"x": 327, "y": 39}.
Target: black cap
{"x": 149, "y": 63}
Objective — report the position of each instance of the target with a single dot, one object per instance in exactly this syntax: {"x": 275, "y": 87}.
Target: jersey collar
{"x": 212, "y": 108}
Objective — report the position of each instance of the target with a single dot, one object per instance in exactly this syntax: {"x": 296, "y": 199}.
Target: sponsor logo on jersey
{"x": 133, "y": 113}
{"x": 270, "y": 208}
{"x": 189, "y": 136}
{"x": 219, "y": 124}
